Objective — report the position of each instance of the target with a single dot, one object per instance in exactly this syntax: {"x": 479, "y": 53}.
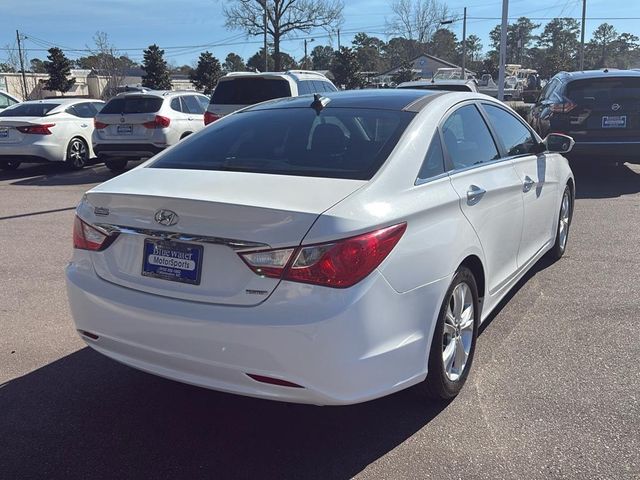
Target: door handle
{"x": 84, "y": 125}
{"x": 189, "y": 118}
{"x": 475, "y": 194}
{"x": 527, "y": 184}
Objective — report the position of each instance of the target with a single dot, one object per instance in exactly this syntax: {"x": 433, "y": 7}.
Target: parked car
{"x": 600, "y": 109}
{"x": 237, "y": 90}
{"x": 138, "y": 125}
{"x": 448, "y": 85}
{"x": 52, "y": 130}
{"x": 7, "y": 100}
{"x": 326, "y": 251}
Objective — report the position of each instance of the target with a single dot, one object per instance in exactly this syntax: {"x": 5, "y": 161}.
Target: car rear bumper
{"x": 605, "y": 151}
{"x": 341, "y": 346}
{"x": 32, "y": 152}
{"x": 126, "y": 150}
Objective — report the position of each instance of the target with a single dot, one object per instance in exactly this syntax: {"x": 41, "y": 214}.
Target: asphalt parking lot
{"x": 554, "y": 391}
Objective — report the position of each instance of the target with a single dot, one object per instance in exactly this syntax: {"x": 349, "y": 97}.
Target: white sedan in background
{"x": 325, "y": 250}
{"x": 53, "y": 130}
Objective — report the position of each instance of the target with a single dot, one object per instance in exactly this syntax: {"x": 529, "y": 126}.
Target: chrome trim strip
{"x": 109, "y": 229}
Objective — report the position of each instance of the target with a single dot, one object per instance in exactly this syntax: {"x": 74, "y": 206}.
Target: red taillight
{"x": 37, "y": 129}
{"x": 562, "y": 107}
{"x": 210, "y": 117}
{"x": 338, "y": 264}
{"x": 158, "y": 122}
{"x": 86, "y": 237}
{"x": 99, "y": 125}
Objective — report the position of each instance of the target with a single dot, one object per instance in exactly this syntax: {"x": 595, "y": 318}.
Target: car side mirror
{"x": 558, "y": 143}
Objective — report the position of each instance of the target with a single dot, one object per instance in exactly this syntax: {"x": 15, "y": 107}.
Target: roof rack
{"x": 307, "y": 72}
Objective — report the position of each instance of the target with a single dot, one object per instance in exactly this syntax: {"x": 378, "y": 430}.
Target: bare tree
{"x": 108, "y": 63}
{"x": 417, "y": 19}
{"x": 283, "y": 17}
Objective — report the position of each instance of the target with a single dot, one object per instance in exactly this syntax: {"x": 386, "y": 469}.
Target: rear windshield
{"x": 604, "y": 91}
{"x": 29, "y": 110}
{"x": 248, "y": 91}
{"x": 133, "y": 105}
{"x": 337, "y": 143}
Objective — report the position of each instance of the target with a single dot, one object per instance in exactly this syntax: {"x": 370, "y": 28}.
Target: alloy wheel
{"x": 457, "y": 334}
{"x": 78, "y": 153}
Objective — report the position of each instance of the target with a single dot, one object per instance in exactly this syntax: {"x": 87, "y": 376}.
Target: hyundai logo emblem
{"x": 166, "y": 217}
{"x": 615, "y": 107}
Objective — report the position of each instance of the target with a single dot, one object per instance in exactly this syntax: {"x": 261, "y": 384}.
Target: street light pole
{"x": 584, "y": 14}
{"x": 503, "y": 49}
{"x": 464, "y": 44}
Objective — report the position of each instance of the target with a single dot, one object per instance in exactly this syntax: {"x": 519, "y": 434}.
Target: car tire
{"x": 116, "y": 165}
{"x": 9, "y": 165}
{"x": 564, "y": 222}
{"x": 454, "y": 338}
{"x": 77, "y": 154}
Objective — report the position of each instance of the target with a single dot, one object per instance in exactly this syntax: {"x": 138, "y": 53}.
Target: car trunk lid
{"x": 605, "y": 108}
{"x": 219, "y": 214}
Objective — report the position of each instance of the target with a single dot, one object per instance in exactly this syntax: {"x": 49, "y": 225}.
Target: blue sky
{"x": 187, "y": 27}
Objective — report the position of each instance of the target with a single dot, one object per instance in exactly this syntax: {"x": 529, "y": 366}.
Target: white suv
{"x": 240, "y": 89}
{"x": 138, "y": 125}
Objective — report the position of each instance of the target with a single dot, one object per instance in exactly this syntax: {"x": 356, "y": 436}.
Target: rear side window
{"x": 82, "y": 110}
{"x": 434, "y": 161}
{"x": 192, "y": 105}
{"x": 5, "y": 101}
{"x": 248, "y": 91}
{"x": 603, "y": 92}
{"x": 337, "y": 143}
{"x": 29, "y": 110}
{"x": 133, "y": 105}
{"x": 176, "y": 105}
{"x": 204, "y": 101}
{"x": 516, "y": 138}
{"x": 468, "y": 139}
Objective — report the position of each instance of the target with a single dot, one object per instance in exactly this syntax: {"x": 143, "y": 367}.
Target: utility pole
{"x": 266, "y": 53}
{"x": 338, "y": 39}
{"x": 464, "y": 45}
{"x": 584, "y": 14}
{"x": 306, "y": 59}
{"x": 503, "y": 49}
{"x": 25, "y": 91}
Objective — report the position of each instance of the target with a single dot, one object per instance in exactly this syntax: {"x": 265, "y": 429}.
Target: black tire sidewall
{"x": 437, "y": 383}
{"x": 557, "y": 251}
{"x": 116, "y": 164}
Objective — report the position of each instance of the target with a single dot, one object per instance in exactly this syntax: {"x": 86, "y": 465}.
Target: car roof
{"x": 64, "y": 101}
{"x": 295, "y": 74}
{"x": 158, "y": 93}
{"x": 604, "y": 73}
{"x": 381, "y": 99}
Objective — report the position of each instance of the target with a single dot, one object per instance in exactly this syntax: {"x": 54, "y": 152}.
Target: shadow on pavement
{"x": 85, "y": 416}
{"x": 603, "y": 181}
{"x": 46, "y": 175}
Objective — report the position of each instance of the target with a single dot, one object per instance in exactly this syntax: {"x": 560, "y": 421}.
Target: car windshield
{"x": 604, "y": 91}
{"x": 29, "y": 110}
{"x": 140, "y": 104}
{"x": 335, "y": 143}
{"x": 249, "y": 91}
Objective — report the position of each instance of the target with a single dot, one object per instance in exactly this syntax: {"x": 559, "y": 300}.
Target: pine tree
{"x": 346, "y": 68}
{"x": 206, "y": 74}
{"x": 59, "y": 68}
{"x": 155, "y": 67}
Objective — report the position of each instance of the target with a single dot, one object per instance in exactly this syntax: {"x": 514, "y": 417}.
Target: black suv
{"x": 600, "y": 109}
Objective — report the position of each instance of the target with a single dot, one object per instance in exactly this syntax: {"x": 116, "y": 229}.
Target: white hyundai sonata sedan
{"x": 323, "y": 250}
